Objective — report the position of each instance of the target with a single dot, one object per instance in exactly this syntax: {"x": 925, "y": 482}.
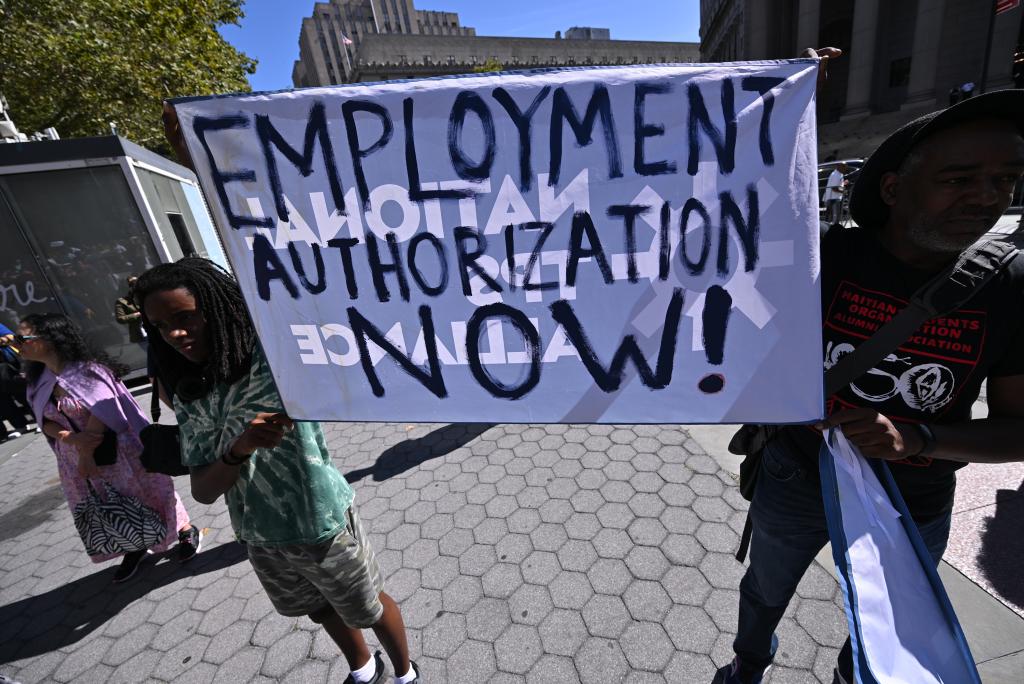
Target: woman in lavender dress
{"x": 70, "y": 383}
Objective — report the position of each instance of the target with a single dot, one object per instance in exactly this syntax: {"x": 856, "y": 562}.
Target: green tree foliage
{"x": 490, "y": 65}
{"x": 79, "y": 65}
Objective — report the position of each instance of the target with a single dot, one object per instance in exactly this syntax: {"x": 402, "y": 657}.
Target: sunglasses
{"x": 21, "y": 339}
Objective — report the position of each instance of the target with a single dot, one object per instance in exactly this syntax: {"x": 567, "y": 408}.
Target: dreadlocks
{"x": 219, "y": 299}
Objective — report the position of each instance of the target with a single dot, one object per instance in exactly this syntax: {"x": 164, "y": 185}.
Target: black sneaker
{"x": 129, "y": 564}
{"x": 838, "y": 678}
{"x": 740, "y": 672}
{"x": 737, "y": 672}
{"x": 190, "y": 541}
{"x": 379, "y": 675}
{"x": 416, "y": 669}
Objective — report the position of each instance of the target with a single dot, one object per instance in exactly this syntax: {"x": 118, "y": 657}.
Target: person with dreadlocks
{"x": 287, "y": 502}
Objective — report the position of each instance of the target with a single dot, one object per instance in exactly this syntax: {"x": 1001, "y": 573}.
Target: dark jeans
{"x": 789, "y": 529}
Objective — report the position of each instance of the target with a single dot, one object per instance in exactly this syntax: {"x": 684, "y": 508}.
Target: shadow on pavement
{"x": 62, "y": 616}
{"x": 412, "y": 452}
{"x": 1002, "y": 546}
{"x": 30, "y": 513}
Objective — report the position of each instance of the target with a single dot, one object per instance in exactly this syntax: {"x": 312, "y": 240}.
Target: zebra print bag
{"x": 119, "y": 524}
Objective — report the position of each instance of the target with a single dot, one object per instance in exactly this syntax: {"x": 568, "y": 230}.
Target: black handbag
{"x": 161, "y": 444}
{"x": 106, "y": 453}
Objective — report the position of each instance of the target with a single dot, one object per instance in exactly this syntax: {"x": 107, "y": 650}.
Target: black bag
{"x": 161, "y": 444}
{"x": 748, "y": 441}
{"x": 948, "y": 291}
{"x": 106, "y": 453}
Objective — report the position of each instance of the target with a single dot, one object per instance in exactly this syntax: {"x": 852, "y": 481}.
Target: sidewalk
{"x": 518, "y": 553}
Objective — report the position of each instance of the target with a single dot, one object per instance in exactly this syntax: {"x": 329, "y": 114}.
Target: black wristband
{"x": 927, "y": 439}
{"x": 227, "y": 460}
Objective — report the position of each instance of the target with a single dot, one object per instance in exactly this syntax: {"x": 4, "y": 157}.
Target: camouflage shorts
{"x": 342, "y": 572}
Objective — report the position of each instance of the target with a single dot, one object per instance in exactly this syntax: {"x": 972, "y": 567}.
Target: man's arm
{"x": 996, "y": 439}
{"x": 999, "y": 438}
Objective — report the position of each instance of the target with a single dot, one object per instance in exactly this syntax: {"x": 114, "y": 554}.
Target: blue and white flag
{"x": 902, "y": 625}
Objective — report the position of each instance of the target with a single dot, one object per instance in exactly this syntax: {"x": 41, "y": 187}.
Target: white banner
{"x": 631, "y": 245}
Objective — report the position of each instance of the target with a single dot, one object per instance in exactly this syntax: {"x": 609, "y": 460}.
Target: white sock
{"x": 407, "y": 677}
{"x": 367, "y": 672}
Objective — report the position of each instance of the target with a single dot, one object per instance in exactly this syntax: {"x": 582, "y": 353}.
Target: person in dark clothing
{"x": 12, "y": 388}
{"x": 927, "y": 193}
{"x": 126, "y": 311}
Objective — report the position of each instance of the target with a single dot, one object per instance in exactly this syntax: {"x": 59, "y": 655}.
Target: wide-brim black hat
{"x": 866, "y": 205}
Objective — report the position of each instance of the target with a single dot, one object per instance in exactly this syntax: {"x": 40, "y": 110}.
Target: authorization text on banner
{"x": 613, "y": 244}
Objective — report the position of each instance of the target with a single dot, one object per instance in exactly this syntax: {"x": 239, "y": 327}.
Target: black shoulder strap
{"x": 946, "y": 292}
{"x": 154, "y": 402}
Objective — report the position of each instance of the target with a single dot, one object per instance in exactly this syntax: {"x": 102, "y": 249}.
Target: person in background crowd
{"x": 288, "y": 502}
{"x": 76, "y": 396}
{"x": 12, "y": 388}
{"x": 835, "y": 187}
{"x": 127, "y": 313}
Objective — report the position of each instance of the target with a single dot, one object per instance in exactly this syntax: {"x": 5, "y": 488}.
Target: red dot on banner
{"x": 711, "y": 384}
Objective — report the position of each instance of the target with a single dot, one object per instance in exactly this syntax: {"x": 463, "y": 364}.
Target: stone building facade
{"x": 900, "y": 59}
{"x": 387, "y": 57}
{"x": 329, "y": 41}
{"x": 348, "y": 41}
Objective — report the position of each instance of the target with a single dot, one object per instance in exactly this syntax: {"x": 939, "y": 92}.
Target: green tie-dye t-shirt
{"x": 289, "y": 495}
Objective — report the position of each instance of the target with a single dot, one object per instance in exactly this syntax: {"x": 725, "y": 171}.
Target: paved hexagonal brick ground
{"x": 519, "y": 553}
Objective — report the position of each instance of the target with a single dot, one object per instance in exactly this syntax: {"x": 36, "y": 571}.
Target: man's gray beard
{"x": 921, "y": 234}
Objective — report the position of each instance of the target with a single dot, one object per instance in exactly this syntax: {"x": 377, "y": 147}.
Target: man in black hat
{"x": 928, "y": 192}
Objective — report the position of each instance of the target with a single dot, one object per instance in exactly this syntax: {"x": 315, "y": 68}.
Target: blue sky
{"x": 270, "y": 30}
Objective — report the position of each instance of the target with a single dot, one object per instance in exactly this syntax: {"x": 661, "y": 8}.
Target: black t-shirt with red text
{"x": 933, "y": 377}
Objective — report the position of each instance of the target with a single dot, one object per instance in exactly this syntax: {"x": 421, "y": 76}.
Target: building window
{"x": 899, "y": 72}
